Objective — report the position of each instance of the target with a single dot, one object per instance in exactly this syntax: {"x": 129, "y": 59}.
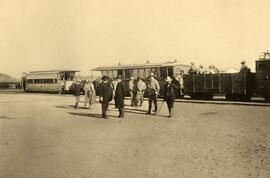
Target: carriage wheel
{"x": 231, "y": 97}
{"x": 209, "y": 96}
{"x": 267, "y": 98}
{"x": 245, "y": 97}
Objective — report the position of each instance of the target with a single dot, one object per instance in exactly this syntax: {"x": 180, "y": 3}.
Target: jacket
{"x": 106, "y": 92}
{"x": 119, "y": 95}
{"x": 153, "y": 87}
{"x": 77, "y": 89}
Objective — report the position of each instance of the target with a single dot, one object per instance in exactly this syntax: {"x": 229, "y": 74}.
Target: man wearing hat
{"x": 153, "y": 93}
{"x": 105, "y": 95}
{"x": 89, "y": 94}
{"x": 131, "y": 86}
{"x": 169, "y": 94}
{"x": 120, "y": 96}
{"x": 244, "y": 67}
{"x": 201, "y": 69}
{"x": 192, "y": 69}
{"x": 141, "y": 88}
{"x": 77, "y": 89}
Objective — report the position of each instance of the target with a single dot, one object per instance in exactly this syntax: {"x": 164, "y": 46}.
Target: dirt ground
{"x": 42, "y": 135}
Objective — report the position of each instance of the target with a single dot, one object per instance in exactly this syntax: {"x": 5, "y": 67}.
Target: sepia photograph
{"x": 134, "y": 89}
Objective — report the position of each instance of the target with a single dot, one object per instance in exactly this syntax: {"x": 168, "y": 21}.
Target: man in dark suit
{"x": 77, "y": 88}
{"x": 169, "y": 94}
{"x": 105, "y": 95}
{"x": 120, "y": 96}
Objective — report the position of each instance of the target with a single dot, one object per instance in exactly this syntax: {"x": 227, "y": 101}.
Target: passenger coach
{"x": 161, "y": 70}
{"x": 56, "y": 81}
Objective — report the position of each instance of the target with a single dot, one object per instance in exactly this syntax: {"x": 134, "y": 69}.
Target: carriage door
{"x": 170, "y": 72}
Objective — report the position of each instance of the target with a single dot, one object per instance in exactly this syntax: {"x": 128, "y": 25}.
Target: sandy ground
{"x": 41, "y": 135}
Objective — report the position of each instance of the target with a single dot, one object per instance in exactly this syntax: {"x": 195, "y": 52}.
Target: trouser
{"x": 170, "y": 107}
{"x": 77, "y": 100}
{"x": 86, "y": 100}
{"x": 104, "y": 108}
{"x": 133, "y": 99}
{"x": 121, "y": 112}
{"x": 152, "y": 98}
{"x": 140, "y": 98}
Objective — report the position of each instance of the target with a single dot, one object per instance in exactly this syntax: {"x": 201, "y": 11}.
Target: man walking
{"x": 77, "y": 88}
{"x": 141, "y": 88}
{"x": 131, "y": 87}
{"x": 169, "y": 94}
{"x": 153, "y": 93}
{"x": 105, "y": 97}
{"x": 120, "y": 96}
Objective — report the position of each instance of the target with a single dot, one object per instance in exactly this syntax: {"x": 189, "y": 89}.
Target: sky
{"x": 82, "y": 34}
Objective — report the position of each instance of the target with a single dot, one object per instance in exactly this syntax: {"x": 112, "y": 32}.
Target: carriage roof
{"x": 139, "y": 66}
{"x": 52, "y": 71}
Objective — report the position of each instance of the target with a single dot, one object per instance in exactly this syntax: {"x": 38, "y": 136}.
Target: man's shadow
{"x": 65, "y": 106}
{"x": 89, "y": 115}
{"x": 86, "y": 114}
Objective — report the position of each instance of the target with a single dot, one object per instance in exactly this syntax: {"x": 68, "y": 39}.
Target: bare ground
{"x": 41, "y": 135}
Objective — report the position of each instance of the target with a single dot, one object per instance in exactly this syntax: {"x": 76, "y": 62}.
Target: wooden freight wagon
{"x": 235, "y": 86}
{"x": 263, "y": 76}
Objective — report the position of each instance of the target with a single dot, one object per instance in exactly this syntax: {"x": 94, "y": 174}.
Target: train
{"x": 52, "y": 81}
{"x": 234, "y": 86}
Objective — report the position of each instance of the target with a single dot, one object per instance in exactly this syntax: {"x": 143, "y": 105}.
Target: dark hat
{"x": 105, "y": 78}
{"x": 139, "y": 78}
{"x": 119, "y": 77}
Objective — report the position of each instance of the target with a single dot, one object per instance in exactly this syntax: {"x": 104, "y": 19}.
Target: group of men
{"x": 212, "y": 69}
{"x": 89, "y": 93}
{"x": 116, "y": 90}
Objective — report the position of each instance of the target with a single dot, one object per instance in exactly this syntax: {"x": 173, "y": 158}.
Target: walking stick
{"x": 160, "y": 107}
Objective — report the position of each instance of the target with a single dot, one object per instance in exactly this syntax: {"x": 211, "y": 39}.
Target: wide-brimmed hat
{"x": 243, "y": 62}
{"x": 131, "y": 78}
{"x": 78, "y": 80}
{"x": 104, "y": 78}
{"x": 119, "y": 77}
{"x": 168, "y": 79}
{"x": 88, "y": 80}
{"x": 152, "y": 74}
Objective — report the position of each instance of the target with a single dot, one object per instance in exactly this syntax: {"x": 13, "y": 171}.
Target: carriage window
{"x": 146, "y": 73}
{"x": 120, "y": 72}
{"x": 114, "y": 73}
{"x": 141, "y": 73}
{"x": 170, "y": 71}
{"x": 127, "y": 73}
{"x": 163, "y": 72}
{"x": 30, "y": 81}
{"x": 135, "y": 73}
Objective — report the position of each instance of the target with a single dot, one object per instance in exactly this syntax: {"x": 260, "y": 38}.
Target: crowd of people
{"x": 116, "y": 90}
{"x": 212, "y": 69}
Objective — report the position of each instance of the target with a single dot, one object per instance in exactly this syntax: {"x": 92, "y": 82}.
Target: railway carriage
{"x": 55, "y": 81}
{"x": 161, "y": 70}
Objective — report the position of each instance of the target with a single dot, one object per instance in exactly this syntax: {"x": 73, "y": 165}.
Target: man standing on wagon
{"x": 153, "y": 93}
